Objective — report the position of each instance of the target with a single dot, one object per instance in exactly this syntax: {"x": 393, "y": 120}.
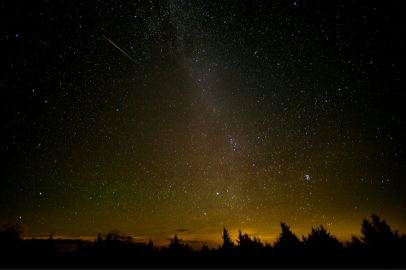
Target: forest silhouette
{"x": 378, "y": 247}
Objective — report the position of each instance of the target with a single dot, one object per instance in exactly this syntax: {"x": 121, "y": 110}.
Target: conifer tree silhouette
{"x": 377, "y": 234}
{"x": 385, "y": 248}
{"x": 320, "y": 240}
{"x": 355, "y": 243}
{"x": 150, "y": 246}
{"x": 227, "y": 242}
{"x": 109, "y": 237}
{"x": 176, "y": 241}
{"x": 322, "y": 248}
{"x": 246, "y": 243}
{"x": 99, "y": 239}
{"x": 287, "y": 240}
{"x": 378, "y": 247}
{"x": 175, "y": 245}
{"x": 205, "y": 249}
{"x": 241, "y": 240}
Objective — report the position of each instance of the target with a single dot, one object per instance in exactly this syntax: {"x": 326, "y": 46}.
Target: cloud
{"x": 121, "y": 236}
{"x": 141, "y": 239}
{"x": 182, "y": 230}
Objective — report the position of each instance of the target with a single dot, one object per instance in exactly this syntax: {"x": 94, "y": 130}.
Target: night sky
{"x": 159, "y": 117}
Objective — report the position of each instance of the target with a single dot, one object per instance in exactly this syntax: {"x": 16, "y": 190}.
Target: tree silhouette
{"x": 150, "y": 246}
{"x": 355, "y": 243}
{"x": 227, "y": 242}
{"x": 176, "y": 241}
{"x": 287, "y": 240}
{"x": 245, "y": 242}
{"x": 177, "y": 246}
{"x": 174, "y": 245}
{"x": 377, "y": 234}
{"x": 99, "y": 239}
{"x": 241, "y": 240}
{"x": 384, "y": 248}
{"x": 320, "y": 240}
{"x": 322, "y": 249}
{"x": 205, "y": 249}
{"x": 379, "y": 247}
{"x": 109, "y": 237}
{"x": 10, "y": 240}
{"x": 50, "y": 244}
{"x": 12, "y": 234}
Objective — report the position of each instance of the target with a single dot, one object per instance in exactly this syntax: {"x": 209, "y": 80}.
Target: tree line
{"x": 378, "y": 247}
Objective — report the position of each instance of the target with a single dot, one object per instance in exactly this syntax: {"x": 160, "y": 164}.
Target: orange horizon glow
{"x": 211, "y": 240}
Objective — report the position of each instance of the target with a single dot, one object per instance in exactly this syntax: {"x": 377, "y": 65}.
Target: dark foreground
{"x": 131, "y": 258}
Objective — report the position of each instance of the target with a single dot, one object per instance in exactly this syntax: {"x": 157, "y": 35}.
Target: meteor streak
{"x": 119, "y": 49}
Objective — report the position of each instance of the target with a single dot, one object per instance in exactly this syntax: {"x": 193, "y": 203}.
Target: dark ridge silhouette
{"x": 378, "y": 247}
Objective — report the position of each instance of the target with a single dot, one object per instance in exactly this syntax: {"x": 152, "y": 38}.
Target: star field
{"x": 236, "y": 114}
